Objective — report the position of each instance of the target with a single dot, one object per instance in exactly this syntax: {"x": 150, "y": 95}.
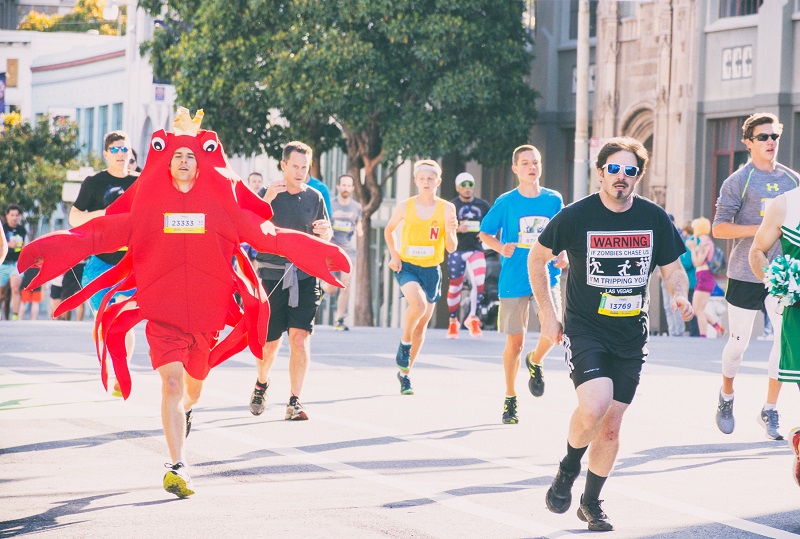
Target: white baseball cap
{"x": 464, "y": 177}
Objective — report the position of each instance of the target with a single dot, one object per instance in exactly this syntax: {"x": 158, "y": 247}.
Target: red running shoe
{"x": 794, "y": 442}
{"x": 452, "y": 329}
{"x": 474, "y": 326}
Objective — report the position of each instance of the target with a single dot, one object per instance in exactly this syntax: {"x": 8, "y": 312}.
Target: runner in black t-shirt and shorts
{"x": 97, "y": 193}
{"x": 294, "y": 295}
{"x": 614, "y": 240}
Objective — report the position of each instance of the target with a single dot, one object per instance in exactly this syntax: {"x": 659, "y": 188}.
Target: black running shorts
{"x": 282, "y": 317}
{"x": 589, "y": 358}
{"x": 746, "y": 295}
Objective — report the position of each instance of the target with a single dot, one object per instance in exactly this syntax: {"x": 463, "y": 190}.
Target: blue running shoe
{"x": 403, "y": 357}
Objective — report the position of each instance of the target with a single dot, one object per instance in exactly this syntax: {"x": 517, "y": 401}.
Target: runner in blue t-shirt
{"x": 519, "y": 216}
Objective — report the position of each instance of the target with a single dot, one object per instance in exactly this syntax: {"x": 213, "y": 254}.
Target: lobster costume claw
{"x": 181, "y": 243}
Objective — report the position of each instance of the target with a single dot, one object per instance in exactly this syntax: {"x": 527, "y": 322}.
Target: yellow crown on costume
{"x": 184, "y": 124}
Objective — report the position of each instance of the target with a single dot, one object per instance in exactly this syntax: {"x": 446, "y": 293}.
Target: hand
{"x": 322, "y": 228}
{"x": 462, "y": 228}
{"x": 561, "y": 261}
{"x": 508, "y": 249}
{"x": 552, "y": 330}
{"x": 274, "y": 188}
{"x": 682, "y": 303}
{"x": 395, "y": 264}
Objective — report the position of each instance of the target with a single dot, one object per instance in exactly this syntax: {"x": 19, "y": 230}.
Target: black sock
{"x": 594, "y": 484}
{"x": 572, "y": 462}
{"x": 259, "y": 385}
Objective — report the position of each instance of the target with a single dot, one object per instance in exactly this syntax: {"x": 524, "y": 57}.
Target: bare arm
{"x": 729, "y": 231}
{"x": 768, "y": 233}
{"x": 395, "y": 263}
{"x": 78, "y": 217}
{"x": 505, "y": 249}
{"x": 539, "y": 276}
{"x": 3, "y": 244}
{"x": 450, "y": 227}
{"x": 677, "y": 283}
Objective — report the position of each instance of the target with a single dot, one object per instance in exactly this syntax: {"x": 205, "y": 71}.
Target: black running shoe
{"x": 593, "y": 514}
{"x": 536, "y": 382}
{"x": 258, "y": 400}
{"x": 188, "y": 422}
{"x": 559, "y": 495}
{"x": 405, "y": 384}
{"x": 340, "y": 325}
{"x": 510, "y": 411}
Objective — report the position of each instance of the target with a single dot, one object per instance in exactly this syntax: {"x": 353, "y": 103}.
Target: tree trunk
{"x": 370, "y": 195}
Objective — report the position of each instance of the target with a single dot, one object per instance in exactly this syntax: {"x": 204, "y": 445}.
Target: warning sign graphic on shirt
{"x": 618, "y": 259}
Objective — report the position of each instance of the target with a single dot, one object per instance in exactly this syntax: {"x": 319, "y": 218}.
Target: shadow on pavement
{"x": 88, "y": 441}
{"x": 709, "y": 450}
{"x": 48, "y": 520}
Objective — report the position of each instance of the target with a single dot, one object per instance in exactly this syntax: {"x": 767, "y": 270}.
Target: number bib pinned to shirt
{"x": 418, "y": 251}
{"x": 472, "y": 226}
{"x": 620, "y": 305}
{"x": 342, "y": 226}
{"x": 527, "y": 239}
{"x": 184, "y": 223}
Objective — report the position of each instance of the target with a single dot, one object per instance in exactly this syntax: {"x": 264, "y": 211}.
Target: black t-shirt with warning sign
{"x": 611, "y": 257}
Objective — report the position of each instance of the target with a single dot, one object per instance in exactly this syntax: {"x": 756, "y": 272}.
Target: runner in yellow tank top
{"x": 423, "y": 240}
{"x": 429, "y": 227}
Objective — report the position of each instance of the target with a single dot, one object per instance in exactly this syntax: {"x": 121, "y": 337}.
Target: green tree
{"x": 397, "y": 78}
{"x": 87, "y": 15}
{"x": 34, "y": 159}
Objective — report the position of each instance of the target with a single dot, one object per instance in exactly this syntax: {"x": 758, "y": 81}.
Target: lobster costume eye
{"x": 210, "y": 145}
{"x": 158, "y": 144}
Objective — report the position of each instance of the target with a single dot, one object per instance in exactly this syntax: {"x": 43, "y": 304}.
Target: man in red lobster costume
{"x": 182, "y": 221}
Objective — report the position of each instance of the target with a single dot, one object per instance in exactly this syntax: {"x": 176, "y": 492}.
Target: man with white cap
{"x": 468, "y": 257}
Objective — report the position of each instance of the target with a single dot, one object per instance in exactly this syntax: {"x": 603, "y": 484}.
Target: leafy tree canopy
{"x": 87, "y": 15}
{"x": 387, "y": 79}
{"x": 432, "y": 77}
{"x": 33, "y": 163}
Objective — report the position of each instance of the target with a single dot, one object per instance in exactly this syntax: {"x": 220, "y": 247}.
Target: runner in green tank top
{"x": 782, "y": 221}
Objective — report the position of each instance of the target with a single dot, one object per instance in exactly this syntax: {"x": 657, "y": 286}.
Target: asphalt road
{"x": 75, "y": 462}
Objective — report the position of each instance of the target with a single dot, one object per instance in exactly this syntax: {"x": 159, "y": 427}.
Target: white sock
{"x": 726, "y": 396}
{"x": 768, "y": 406}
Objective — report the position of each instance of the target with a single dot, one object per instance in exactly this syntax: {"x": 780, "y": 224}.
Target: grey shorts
{"x": 512, "y": 317}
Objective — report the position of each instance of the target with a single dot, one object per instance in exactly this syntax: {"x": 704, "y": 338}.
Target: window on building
{"x": 738, "y": 8}
{"x": 88, "y": 130}
{"x": 730, "y": 153}
{"x": 573, "y": 18}
{"x": 102, "y": 124}
{"x": 116, "y": 116}
{"x": 626, "y": 9}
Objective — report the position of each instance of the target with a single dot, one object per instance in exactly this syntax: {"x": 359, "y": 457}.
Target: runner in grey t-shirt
{"x": 740, "y": 209}
{"x": 346, "y": 222}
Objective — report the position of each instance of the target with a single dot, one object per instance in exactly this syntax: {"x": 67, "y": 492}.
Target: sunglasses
{"x": 763, "y": 137}
{"x": 117, "y": 149}
{"x": 614, "y": 168}
{"x": 467, "y": 184}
